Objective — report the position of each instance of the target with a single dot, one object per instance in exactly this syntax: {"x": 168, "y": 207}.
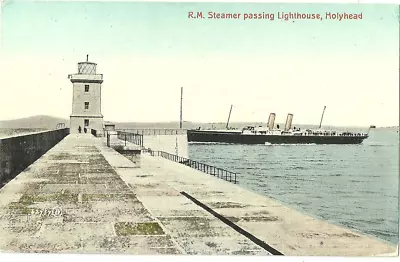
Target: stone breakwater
{"x": 84, "y": 197}
{"x": 18, "y": 152}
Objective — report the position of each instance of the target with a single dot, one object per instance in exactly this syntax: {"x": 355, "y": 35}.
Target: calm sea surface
{"x": 355, "y": 186}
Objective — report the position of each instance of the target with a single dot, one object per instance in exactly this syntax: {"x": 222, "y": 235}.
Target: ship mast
{"x": 322, "y": 117}
{"x": 180, "y": 120}
{"x": 229, "y": 117}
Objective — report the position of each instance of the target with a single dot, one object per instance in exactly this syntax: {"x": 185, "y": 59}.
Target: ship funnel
{"x": 271, "y": 121}
{"x": 288, "y": 124}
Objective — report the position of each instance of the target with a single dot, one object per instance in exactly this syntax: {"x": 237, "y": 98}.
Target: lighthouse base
{"x": 88, "y": 122}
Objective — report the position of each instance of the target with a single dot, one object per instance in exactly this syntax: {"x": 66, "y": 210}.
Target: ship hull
{"x": 239, "y": 138}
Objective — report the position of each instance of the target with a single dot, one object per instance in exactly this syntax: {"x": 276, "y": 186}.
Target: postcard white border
{"x": 8, "y": 257}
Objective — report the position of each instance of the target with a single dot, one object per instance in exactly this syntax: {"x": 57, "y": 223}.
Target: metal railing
{"x": 208, "y": 169}
{"x": 136, "y": 139}
{"x": 155, "y": 131}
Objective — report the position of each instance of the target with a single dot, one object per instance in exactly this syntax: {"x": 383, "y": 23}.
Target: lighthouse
{"x": 86, "y": 99}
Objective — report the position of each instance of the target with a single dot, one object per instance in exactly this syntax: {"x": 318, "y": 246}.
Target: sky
{"x": 148, "y": 51}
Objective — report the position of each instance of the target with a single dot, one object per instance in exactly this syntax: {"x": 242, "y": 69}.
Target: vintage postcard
{"x": 185, "y": 128}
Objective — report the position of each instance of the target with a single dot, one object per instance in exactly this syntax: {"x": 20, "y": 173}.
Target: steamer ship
{"x": 272, "y": 134}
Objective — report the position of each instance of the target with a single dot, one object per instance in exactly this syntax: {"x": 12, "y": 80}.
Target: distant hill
{"x": 42, "y": 122}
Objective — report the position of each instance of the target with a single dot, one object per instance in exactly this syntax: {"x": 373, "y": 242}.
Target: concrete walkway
{"x": 84, "y": 197}
{"x": 287, "y": 230}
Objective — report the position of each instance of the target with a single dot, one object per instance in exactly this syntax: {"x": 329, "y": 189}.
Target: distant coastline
{"x": 45, "y": 122}
{"x": 388, "y": 127}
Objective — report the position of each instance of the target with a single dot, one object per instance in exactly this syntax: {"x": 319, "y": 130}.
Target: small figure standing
{"x": 85, "y": 129}
{"x": 79, "y": 129}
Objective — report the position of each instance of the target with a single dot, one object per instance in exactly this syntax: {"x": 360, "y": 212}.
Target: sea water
{"x": 355, "y": 186}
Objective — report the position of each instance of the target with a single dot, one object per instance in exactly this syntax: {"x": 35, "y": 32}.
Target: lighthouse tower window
{"x": 86, "y": 88}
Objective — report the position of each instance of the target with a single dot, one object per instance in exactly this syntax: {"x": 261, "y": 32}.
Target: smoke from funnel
{"x": 271, "y": 121}
{"x": 288, "y": 124}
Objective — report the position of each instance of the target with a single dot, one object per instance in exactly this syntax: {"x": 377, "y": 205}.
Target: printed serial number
{"x": 47, "y": 212}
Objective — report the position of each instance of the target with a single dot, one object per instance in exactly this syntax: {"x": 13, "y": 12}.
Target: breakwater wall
{"x": 173, "y": 141}
{"x": 18, "y": 152}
